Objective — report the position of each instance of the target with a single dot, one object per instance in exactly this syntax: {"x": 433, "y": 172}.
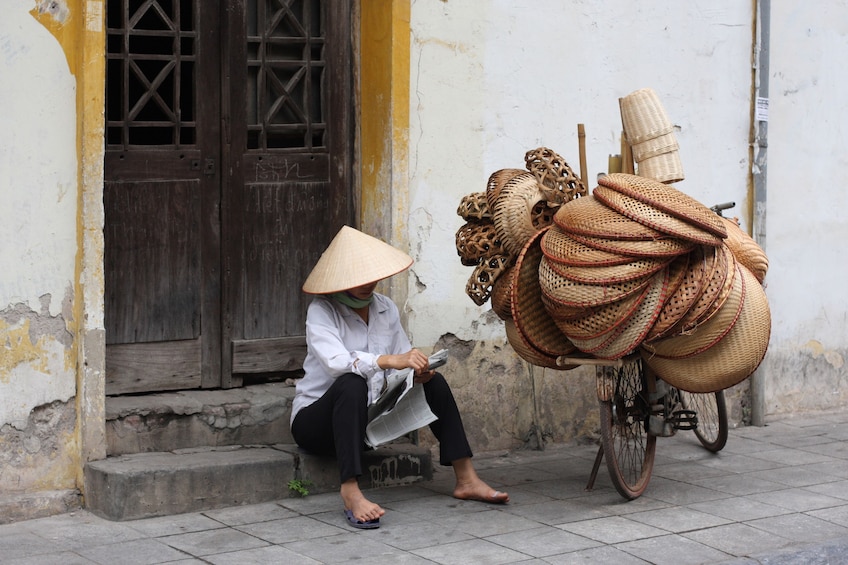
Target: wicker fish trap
{"x": 558, "y": 182}
{"x": 477, "y": 240}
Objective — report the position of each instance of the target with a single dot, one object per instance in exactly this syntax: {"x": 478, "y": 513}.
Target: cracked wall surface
{"x": 39, "y": 449}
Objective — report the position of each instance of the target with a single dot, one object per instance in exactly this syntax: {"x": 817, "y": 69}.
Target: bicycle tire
{"x": 712, "y": 426}
{"x": 628, "y": 447}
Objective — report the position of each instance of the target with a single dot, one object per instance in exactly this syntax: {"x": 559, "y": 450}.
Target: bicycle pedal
{"x": 684, "y": 419}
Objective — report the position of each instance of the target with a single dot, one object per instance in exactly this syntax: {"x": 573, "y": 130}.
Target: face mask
{"x": 352, "y": 301}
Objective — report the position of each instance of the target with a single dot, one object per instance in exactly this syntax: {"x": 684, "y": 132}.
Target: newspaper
{"x": 402, "y": 408}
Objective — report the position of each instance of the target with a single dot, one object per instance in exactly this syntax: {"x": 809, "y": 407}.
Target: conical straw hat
{"x": 353, "y": 259}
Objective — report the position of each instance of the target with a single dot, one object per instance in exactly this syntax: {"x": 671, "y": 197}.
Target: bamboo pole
{"x": 584, "y": 170}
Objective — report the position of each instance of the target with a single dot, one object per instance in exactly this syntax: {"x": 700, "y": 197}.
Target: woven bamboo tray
{"x": 528, "y": 311}
{"x": 733, "y": 358}
{"x": 668, "y": 199}
{"x": 654, "y": 217}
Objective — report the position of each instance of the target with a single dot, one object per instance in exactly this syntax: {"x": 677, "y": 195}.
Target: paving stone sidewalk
{"x": 774, "y": 495}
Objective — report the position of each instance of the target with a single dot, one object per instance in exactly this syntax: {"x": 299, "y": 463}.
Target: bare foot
{"x": 363, "y": 509}
{"x": 478, "y": 490}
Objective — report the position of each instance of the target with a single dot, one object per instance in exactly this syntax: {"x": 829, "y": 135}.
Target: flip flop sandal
{"x": 369, "y": 525}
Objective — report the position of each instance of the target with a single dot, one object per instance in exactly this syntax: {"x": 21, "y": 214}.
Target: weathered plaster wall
{"x": 492, "y": 80}
{"x": 38, "y": 258}
{"x": 806, "y": 228}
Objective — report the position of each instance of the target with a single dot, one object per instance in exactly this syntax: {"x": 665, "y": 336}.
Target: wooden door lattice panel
{"x": 151, "y": 55}
{"x": 285, "y": 74}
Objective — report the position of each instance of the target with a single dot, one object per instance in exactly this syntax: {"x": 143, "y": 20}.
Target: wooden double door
{"x": 227, "y": 171}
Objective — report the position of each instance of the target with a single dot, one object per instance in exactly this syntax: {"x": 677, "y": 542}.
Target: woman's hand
{"x": 412, "y": 359}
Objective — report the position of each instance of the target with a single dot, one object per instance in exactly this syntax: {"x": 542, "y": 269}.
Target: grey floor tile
{"x": 250, "y": 514}
{"x": 84, "y": 531}
{"x": 27, "y": 544}
{"x": 836, "y": 449}
{"x": 294, "y": 529}
{"x": 835, "y": 515}
{"x": 836, "y": 489}
{"x": 261, "y": 556}
{"x": 543, "y": 541}
{"x": 837, "y": 469}
{"x": 422, "y": 532}
{"x": 680, "y": 493}
{"x": 796, "y": 476}
{"x": 177, "y": 524}
{"x": 200, "y": 544}
{"x": 557, "y": 512}
{"x": 798, "y": 499}
{"x": 612, "y": 529}
{"x": 353, "y": 548}
{"x": 678, "y": 519}
{"x": 602, "y": 554}
{"x": 687, "y": 471}
{"x": 490, "y": 523}
{"x": 672, "y": 550}
{"x": 787, "y": 456}
{"x": 61, "y": 558}
{"x": 472, "y": 552}
{"x": 801, "y": 528}
{"x": 740, "y": 484}
{"x": 138, "y": 552}
{"x": 738, "y": 539}
{"x": 739, "y": 509}
{"x": 739, "y": 463}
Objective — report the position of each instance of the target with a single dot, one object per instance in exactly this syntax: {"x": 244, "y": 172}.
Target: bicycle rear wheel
{"x": 628, "y": 447}
{"x": 712, "y": 418}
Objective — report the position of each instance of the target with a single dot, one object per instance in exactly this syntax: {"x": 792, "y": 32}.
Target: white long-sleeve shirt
{"x": 338, "y": 341}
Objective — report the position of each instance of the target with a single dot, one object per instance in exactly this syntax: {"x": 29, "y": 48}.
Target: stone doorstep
{"x": 130, "y": 487}
{"x": 251, "y": 415}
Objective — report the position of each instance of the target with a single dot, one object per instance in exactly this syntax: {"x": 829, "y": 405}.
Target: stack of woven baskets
{"x": 641, "y": 265}
{"x": 637, "y": 265}
{"x": 515, "y": 209}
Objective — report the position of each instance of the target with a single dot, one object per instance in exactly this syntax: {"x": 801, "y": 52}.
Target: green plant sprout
{"x": 300, "y": 486}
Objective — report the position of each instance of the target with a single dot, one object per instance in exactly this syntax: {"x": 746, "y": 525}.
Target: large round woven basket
{"x": 601, "y": 320}
{"x": 589, "y": 216}
{"x": 559, "y": 247}
{"x": 716, "y": 291}
{"x": 528, "y": 311}
{"x": 666, "y": 198}
{"x": 746, "y": 250}
{"x": 664, "y": 247}
{"x": 681, "y": 298}
{"x": 733, "y": 358}
{"x": 638, "y": 268}
{"x": 653, "y": 217}
{"x": 502, "y": 294}
{"x": 626, "y": 336}
{"x": 526, "y": 351}
{"x": 562, "y": 290}
{"x": 705, "y": 335}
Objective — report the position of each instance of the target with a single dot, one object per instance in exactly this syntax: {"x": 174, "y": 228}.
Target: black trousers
{"x": 334, "y": 425}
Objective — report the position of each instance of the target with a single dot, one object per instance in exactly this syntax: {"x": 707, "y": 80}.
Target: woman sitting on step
{"x": 354, "y": 340}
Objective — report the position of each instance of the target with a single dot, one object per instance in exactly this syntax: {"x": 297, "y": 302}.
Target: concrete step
{"x": 143, "y": 485}
{"x": 251, "y": 415}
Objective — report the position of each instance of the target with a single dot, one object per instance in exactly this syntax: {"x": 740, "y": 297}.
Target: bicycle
{"x": 637, "y": 407}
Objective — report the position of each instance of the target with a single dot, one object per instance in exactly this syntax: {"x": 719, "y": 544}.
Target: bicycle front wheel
{"x": 628, "y": 447}
{"x": 711, "y": 430}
